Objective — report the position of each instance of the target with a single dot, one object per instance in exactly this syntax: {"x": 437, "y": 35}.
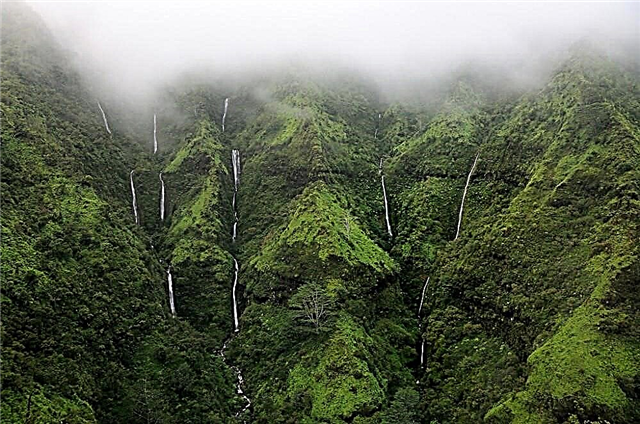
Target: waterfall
{"x": 239, "y": 378}
{"x": 155, "y": 139}
{"x": 240, "y": 392}
{"x": 235, "y": 303}
{"x": 422, "y": 354}
{"x": 235, "y": 162}
{"x": 386, "y": 208}
{"x": 170, "y": 283}
{"x": 224, "y": 115}
{"x": 375, "y": 135}
{"x": 464, "y": 194}
{"x": 133, "y": 195}
{"x": 104, "y": 118}
{"x": 424, "y": 291}
{"x": 161, "y": 198}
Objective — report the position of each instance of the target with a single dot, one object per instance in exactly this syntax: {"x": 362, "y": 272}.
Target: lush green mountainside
{"x": 86, "y": 333}
{"x": 528, "y": 315}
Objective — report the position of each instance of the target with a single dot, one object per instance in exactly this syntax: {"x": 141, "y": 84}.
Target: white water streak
{"x": 424, "y": 291}
{"x": 239, "y": 378}
{"x": 422, "y": 354}
{"x": 235, "y": 304}
{"x": 133, "y": 195}
{"x": 235, "y": 162}
{"x": 224, "y": 115}
{"x": 155, "y": 139}
{"x": 464, "y": 194}
{"x": 161, "y": 198}
{"x": 171, "y": 302}
{"x": 104, "y": 118}
{"x": 386, "y": 208}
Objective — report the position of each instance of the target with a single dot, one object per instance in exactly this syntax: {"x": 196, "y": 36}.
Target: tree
{"x": 404, "y": 409}
{"x": 312, "y": 304}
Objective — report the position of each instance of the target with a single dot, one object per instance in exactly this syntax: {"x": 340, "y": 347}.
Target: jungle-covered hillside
{"x": 473, "y": 258}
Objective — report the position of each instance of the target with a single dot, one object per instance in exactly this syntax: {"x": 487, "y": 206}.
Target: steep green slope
{"x": 86, "y": 331}
{"x": 530, "y": 314}
{"x": 309, "y": 205}
{"x": 530, "y": 278}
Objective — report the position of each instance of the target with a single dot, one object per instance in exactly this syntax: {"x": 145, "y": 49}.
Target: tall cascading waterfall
{"x": 375, "y": 135}
{"x": 464, "y": 195}
{"x": 235, "y": 162}
{"x": 224, "y": 115}
{"x": 235, "y": 303}
{"x": 104, "y": 118}
{"x": 155, "y": 138}
{"x": 172, "y": 304}
{"x": 386, "y": 203}
{"x": 133, "y": 197}
{"x": 161, "y": 198}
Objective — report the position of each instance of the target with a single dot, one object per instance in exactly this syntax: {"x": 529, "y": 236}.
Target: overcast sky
{"x": 139, "y": 44}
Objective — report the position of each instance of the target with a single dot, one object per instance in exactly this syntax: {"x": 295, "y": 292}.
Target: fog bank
{"x": 134, "y": 46}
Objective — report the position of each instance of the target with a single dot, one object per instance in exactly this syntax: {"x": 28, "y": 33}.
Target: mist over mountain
{"x": 131, "y": 48}
{"x": 275, "y": 212}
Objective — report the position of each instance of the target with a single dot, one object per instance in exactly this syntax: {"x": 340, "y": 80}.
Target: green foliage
{"x": 530, "y": 316}
{"x": 321, "y": 232}
{"x": 337, "y": 378}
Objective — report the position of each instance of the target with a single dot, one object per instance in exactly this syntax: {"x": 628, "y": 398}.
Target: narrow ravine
{"x": 464, "y": 195}
{"x": 386, "y": 203}
{"x": 161, "y": 198}
{"x": 172, "y": 304}
{"x": 133, "y": 197}
{"x": 235, "y": 163}
{"x": 155, "y": 138}
{"x": 104, "y": 118}
{"x": 224, "y": 115}
{"x": 424, "y": 289}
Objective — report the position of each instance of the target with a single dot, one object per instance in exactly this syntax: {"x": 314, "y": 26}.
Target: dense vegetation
{"x": 529, "y": 316}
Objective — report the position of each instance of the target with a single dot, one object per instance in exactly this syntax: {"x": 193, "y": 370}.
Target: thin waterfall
{"x": 155, "y": 138}
{"x": 133, "y": 196}
{"x": 386, "y": 208}
{"x": 424, "y": 291}
{"x": 224, "y": 115}
{"x": 375, "y": 135}
{"x": 422, "y": 354}
{"x": 464, "y": 194}
{"x": 161, "y": 198}
{"x": 104, "y": 118}
{"x": 239, "y": 378}
{"x": 171, "y": 302}
{"x": 235, "y": 162}
{"x": 235, "y": 303}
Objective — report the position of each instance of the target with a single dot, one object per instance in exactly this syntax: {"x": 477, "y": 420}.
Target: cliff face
{"x": 518, "y": 305}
